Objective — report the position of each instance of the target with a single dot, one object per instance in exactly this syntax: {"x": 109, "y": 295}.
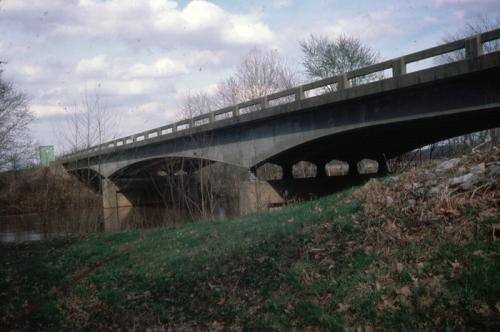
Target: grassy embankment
{"x": 327, "y": 264}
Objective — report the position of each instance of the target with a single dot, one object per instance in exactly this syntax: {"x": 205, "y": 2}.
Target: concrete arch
{"x": 373, "y": 140}
{"x": 166, "y": 164}
{"x": 89, "y": 177}
{"x": 387, "y": 117}
{"x": 110, "y": 168}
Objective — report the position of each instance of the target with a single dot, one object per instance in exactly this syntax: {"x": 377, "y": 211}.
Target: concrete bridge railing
{"x": 472, "y": 46}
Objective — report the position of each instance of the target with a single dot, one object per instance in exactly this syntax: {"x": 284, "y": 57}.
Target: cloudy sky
{"x": 141, "y": 57}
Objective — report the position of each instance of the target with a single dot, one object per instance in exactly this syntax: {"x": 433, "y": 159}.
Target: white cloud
{"x": 470, "y": 7}
{"x": 40, "y": 110}
{"x": 370, "y": 27}
{"x": 463, "y": 2}
{"x": 30, "y": 72}
{"x": 93, "y": 66}
{"x": 154, "y": 23}
{"x": 281, "y": 3}
{"x": 161, "y": 68}
{"x": 245, "y": 30}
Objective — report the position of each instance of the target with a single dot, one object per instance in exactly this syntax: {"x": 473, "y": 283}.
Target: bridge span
{"x": 375, "y": 112}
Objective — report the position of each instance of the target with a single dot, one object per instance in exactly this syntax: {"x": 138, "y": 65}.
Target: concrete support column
{"x": 382, "y": 165}
{"x": 321, "y": 170}
{"x": 256, "y": 195}
{"x": 353, "y": 167}
{"x": 287, "y": 172}
{"x": 116, "y": 206}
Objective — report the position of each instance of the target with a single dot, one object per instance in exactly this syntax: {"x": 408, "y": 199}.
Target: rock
{"x": 394, "y": 178}
{"x": 411, "y": 203}
{"x": 459, "y": 180}
{"x": 467, "y": 182}
{"x": 456, "y": 181}
{"x": 367, "y": 166}
{"x": 389, "y": 201}
{"x": 448, "y": 165}
{"x": 435, "y": 190}
{"x": 478, "y": 169}
{"x": 494, "y": 171}
{"x": 468, "y": 185}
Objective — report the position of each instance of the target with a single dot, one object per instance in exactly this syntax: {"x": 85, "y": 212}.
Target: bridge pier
{"x": 382, "y": 165}
{"x": 257, "y": 195}
{"x": 116, "y": 206}
{"x": 287, "y": 172}
{"x": 321, "y": 170}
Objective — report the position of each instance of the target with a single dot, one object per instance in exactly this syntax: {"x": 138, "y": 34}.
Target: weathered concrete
{"x": 385, "y": 117}
{"x": 377, "y": 120}
{"x": 256, "y": 195}
{"x": 117, "y": 207}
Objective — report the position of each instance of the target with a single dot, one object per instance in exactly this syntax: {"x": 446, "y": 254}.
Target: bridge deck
{"x": 306, "y": 96}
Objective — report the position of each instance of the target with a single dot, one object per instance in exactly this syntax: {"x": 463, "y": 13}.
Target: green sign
{"x": 46, "y": 155}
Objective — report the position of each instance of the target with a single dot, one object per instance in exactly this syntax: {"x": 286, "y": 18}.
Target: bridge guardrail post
{"x": 299, "y": 93}
{"x": 343, "y": 82}
{"x": 398, "y": 67}
{"x": 236, "y": 111}
{"x": 174, "y": 127}
{"x": 211, "y": 117}
{"x": 264, "y": 103}
{"x": 473, "y": 47}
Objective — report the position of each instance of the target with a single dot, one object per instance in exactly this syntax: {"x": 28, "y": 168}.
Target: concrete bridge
{"x": 375, "y": 112}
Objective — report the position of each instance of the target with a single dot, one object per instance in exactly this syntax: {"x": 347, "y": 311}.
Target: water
{"x": 21, "y": 228}
{"x": 36, "y": 227}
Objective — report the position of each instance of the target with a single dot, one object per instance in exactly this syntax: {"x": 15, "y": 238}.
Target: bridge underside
{"x": 388, "y": 140}
{"x": 378, "y": 120}
{"x": 390, "y": 122}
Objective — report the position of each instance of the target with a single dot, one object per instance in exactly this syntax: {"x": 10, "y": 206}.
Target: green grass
{"x": 303, "y": 266}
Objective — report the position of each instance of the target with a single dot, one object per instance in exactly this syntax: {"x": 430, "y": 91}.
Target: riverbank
{"x": 409, "y": 252}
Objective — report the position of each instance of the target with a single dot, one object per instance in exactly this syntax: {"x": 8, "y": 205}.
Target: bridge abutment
{"x": 116, "y": 206}
{"x": 257, "y": 195}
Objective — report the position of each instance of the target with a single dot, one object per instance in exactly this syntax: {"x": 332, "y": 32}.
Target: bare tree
{"x": 88, "y": 123}
{"x": 16, "y": 145}
{"x": 203, "y": 204}
{"x": 194, "y": 104}
{"x": 478, "y": 25}
{"x": 323, "y": 57}
{"x": 261, "y": 72}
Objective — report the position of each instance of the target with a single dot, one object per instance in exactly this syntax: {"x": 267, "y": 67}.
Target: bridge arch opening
{"x": 179, "y": 189}
{"x": 367, "y": 166}
{"x": 269, "y": 171}
{"x": 304, "y": 169}
{"x": 336, "y": 168}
